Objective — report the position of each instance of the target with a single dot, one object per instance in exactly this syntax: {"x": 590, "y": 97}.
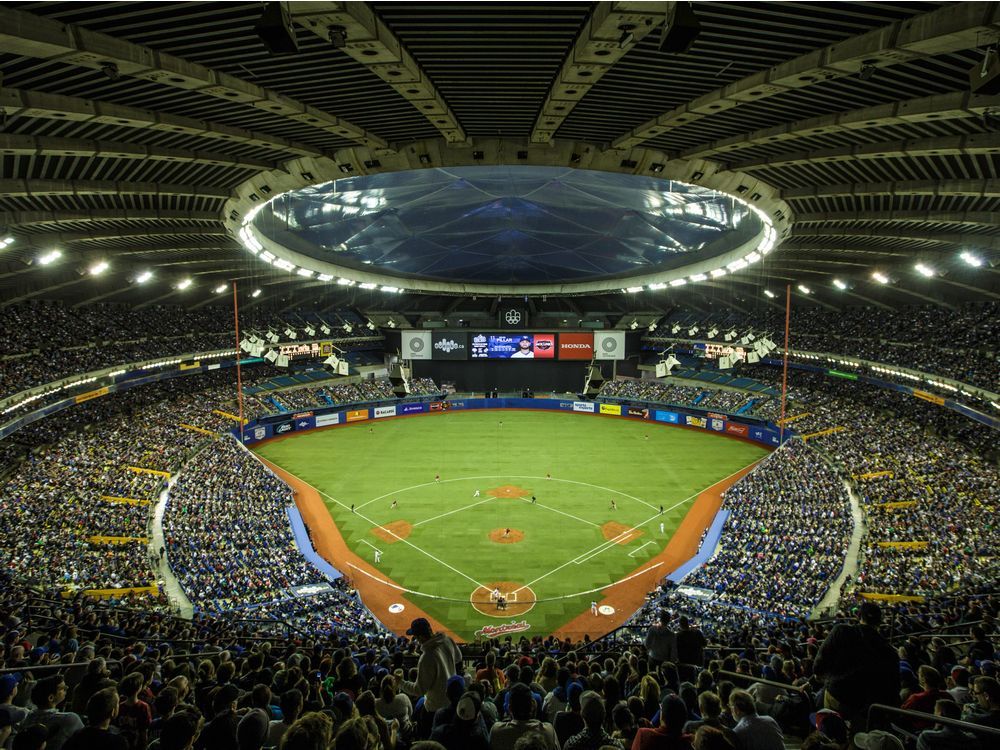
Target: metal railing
{"x": 877, "y": 709}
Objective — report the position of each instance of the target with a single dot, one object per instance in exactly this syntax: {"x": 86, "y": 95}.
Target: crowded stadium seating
{"x": 228, "y": 541}
{"x": 100, "y": 336}
{"x": 956, "y": 343}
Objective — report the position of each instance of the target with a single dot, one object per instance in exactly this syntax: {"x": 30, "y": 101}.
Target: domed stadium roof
{"x": 517, "y": 225}
{"x": 143, "y": 135}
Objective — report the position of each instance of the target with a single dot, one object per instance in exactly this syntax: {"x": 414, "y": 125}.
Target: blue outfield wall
{"x": 273, "y": 426}
{"x": 707, "y": 549}
{"x": 304, "y": 543}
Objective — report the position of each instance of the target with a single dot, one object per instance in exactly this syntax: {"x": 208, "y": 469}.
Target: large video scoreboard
{"x": 465, "y": 345}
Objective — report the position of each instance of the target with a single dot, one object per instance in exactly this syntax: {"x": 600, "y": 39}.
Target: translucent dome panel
{"x": 509, "y": 224}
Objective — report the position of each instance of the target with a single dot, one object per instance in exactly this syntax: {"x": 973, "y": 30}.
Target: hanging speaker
{"x": 680, "y": 30}
{"x": 275, "y": 29}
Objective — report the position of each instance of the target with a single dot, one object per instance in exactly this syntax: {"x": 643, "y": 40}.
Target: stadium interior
{"x": 230, "y": 226}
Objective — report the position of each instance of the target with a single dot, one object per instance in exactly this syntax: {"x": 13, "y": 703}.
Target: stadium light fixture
{"x": 390, "y": 289}
{"x": 221, "y": 288}
{"x": 183, "y": 284}
{"x": 804, "y": 289}
{"x": 143, "y": 277}
{"x": 368, "y": 285}
{"x": 839, "y": 284}
{"x": 924, "y": 270}
{"x": 98, "y": 268}
{"x": 324, "y": 277}
{"x": 255, "y": 293}
{"x": 769, "y": 294}
{"x": 697, "y": 277}
{"x": 305, "y": 273}
{"x": 737, "y": 265}
{"x": 657, "y": 286}
{"x": 6, "y": 241}
{"x": 881, "y": 278}
{"x": 973, "y": 260}
{"x": 346, "y": 282}
{"x": 633, "y": 289}
{"x": 717, "y": 272}
{"x": 678, "y": 282}
{"x": 50, "y": 257}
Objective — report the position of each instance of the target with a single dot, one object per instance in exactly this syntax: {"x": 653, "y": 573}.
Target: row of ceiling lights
{"x": 924, "y": 269}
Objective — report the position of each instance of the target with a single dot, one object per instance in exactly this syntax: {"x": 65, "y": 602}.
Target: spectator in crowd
{"x": 48, "y": 694}
{"x": 946, "y": 736}
{"x": 438, "y": 658}
{"x": 986, "y": 711}
{"x": 102, "y": 708}
{"x": 593, "y": 736}
{"x": 522, "y": 709}
{"x": 691, "y": 644}
{"x": 670, "y": 734}
{"x": 858, "y": 667}
{"x": 661, "y": 641}
{"x": 753, "y": 732}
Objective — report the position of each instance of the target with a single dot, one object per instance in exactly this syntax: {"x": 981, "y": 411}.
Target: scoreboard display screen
{"x": 513, "y": 346}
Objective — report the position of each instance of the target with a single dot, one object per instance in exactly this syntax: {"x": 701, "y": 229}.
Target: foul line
{"x": 365, "y": 541}
{"x": 632, "y": 553}
{"x": 601, "y": 547}
{"x": 399, "y": 538}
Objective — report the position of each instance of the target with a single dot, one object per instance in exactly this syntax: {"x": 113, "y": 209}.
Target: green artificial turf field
{"x": 564, "y": 554}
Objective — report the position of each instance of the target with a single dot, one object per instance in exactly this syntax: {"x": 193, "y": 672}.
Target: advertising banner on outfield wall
{"x": 306, "y": 423}
{"x": 413, "y": 408}
{"x": 385, "y": 411}
{"x": 609, "y": 344}
{"x": 635, "y": 411}
{"x": 584, "y": 406}
{"x": 324, "y": 420}
{"x": 717, "y": 424}
{"x": 694, "y": 421}
{"x": 667, "y": 416}
{"x": 417, "y": 345}
{"x": 283, "y": 428}
{"x": 615, "y": 409}
{"x": 357, "y": 415}
{"x": 737, "y": 429}
{"x": 257, "y": 433}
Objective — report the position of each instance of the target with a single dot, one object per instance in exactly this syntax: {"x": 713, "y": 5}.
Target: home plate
{"x": 605, "y": 609}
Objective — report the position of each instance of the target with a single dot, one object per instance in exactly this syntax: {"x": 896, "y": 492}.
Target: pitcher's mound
{"x": 520, "y": 599}
{"x": 502, "y": 536}
{"x": 621, "y": 533}
{"x": 391, "y": 533}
